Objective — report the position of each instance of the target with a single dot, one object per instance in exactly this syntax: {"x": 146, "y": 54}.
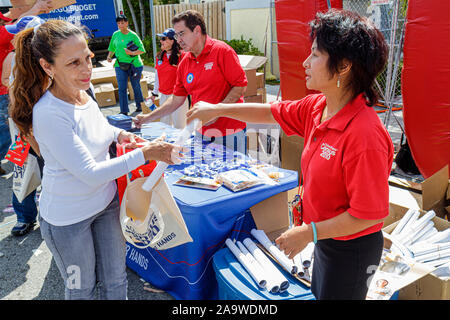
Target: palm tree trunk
{"x": 133, "y": 15}
{"x": 142, "y": 12}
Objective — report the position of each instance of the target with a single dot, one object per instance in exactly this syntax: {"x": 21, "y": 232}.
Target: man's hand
{"x": 207, "y": 113}
{"x": 140, "y": 119}
{"x": 42, "y": 6}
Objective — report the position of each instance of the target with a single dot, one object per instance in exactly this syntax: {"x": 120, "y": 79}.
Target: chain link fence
{"x": 389, "y": 16}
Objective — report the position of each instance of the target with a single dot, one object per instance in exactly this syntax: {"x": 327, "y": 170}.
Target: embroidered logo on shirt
{"x": 159, "y": 62}
{"x": 209, "y": 65}
{"x": 327, "y": 151}
{"x": 190, "y": 78}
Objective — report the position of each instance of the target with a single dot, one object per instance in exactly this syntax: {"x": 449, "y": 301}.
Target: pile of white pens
{"x": 417, "y": 238}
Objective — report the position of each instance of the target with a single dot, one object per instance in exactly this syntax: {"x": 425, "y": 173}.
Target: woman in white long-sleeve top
{"x": 79, "y": 207}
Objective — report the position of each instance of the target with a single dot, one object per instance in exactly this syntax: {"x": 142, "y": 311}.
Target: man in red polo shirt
{"x": 211, "y": 72}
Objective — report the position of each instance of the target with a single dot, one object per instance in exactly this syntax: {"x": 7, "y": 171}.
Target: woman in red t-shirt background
{"x": 166, "y": 66}
{"x": 347, "y": 156}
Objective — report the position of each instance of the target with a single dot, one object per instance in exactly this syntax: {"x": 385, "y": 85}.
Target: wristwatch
{"x": 154, "y": 94}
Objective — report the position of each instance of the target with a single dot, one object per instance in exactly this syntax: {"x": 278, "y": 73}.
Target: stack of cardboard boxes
{"x": 106, "y": 87}
{"x": 431, "y": 194}
{"x": 256, "y": 90}
{"x": 21, "y": 6}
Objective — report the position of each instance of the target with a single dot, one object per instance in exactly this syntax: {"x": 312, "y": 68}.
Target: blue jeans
{"x": 88, "y": 253}
{"x": 26, "y": 211}
{"x": 122, "y": 81}
{"x": 5, "y": 136}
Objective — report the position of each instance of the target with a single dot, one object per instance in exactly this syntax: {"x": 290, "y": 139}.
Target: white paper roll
{"x": 403, "y": 221}
{"x": 419, "y": 224}
{"x": 433, "y": 231}
{"x": 441, "y": 236}
{"x": 253, "y": 269}
{"x": 408, "y": 225}
{"x": 307, "y": 254}
{"x": 272, "y": 272}
{"x": 397, "y": 245}
{"x": 270, "y": 284}
{"x": 261, "y": 236}
{"x": 434, "y": 255}
{"x": 299, "y": 264}
{"x": 418, "y": 235}
{"x": 438, "y": 262}
{"x": 427, "y": 248}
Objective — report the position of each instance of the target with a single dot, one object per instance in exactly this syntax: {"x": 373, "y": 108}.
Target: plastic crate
{"x": 120, "y": 121}
{"x": 235, "y": 283}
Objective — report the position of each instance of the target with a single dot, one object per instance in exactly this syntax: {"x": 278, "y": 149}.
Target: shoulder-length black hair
{"x": 346, "y": 35}
{"x": 174, "y": 56}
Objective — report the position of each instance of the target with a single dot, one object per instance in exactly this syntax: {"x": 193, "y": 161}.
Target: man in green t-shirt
{"x": 127, "y": 47}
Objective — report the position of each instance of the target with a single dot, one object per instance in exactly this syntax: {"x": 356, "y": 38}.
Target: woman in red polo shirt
{"x": 347, "y": 155}
{"x": 166, "y": 75}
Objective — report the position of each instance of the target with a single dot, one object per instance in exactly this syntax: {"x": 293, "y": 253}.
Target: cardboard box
{"x": 21, "y": 6}
{"x": 104, "y": 93}
{"x": 428, "y": 195}
{"x": 259, "y": 97}
{"x": 144, "y": 88}
{"x": 428, "y": 287}
{"x": 272, "y": 215}
{"x": 56, "y": 4}
{"x": 250, "y": 64}
{"x": 260, "y": 80}
{"x": 104, "y": 75}
{"x": 291, "y": 151}
{"x": 255, "y": 98}
{"x": 448, "y": 201}
{"x": 251, "y": 83}
{"x": 262, "y": 92}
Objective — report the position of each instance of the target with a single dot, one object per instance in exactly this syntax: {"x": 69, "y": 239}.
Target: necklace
{"x": 327, "y": 116}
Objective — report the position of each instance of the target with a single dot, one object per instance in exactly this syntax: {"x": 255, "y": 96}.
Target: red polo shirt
{"x": 346, "y": 160}
{"x": 210, "y": 77}
{"x": 167, "y": 73}
{"x": 5, "y": 48}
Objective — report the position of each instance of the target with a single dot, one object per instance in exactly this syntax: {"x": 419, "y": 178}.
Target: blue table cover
{"x": 211, "y": 217}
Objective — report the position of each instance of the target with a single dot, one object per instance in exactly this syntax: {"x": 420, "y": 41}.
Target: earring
{"x": 339, "y": 82}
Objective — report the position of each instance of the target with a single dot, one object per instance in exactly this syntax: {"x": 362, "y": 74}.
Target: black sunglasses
{"x": 163, "y": 38}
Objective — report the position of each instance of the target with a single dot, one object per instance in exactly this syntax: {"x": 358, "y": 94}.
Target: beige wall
{"x": 252, "y": 23}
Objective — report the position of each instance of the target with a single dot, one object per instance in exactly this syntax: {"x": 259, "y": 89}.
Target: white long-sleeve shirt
{"x": 78, "y": 180}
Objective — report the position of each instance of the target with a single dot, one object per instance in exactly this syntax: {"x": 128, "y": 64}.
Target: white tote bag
{"x": 152, "y": 219}
{"x": 26, "y": 178}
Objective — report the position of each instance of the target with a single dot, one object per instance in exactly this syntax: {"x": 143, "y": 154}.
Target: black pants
{"x": 341, "y": 269}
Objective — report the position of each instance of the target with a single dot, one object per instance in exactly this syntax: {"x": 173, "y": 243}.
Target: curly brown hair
{"x": 30, "y": 80}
